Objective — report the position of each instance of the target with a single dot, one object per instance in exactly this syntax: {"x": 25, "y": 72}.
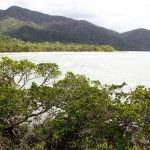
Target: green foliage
{"x": 8, "y": 44}
{"x": 72, "y": 113}
{"x": 17, "y": 104}
{"x": 10, "y": 24}
{"x": 34, "y": 26}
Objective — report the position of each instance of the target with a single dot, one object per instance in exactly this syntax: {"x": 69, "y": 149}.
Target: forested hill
{"x": 34, "y": 26}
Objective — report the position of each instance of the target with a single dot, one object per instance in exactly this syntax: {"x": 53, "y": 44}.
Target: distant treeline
{"x": 8, "y": 44}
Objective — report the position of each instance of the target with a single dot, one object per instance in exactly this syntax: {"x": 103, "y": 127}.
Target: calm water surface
{"x": 116, "y": 67}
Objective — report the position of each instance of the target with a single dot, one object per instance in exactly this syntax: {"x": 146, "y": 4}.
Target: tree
{"x": 18, "y": 102}
{"x": 72, "y": 113}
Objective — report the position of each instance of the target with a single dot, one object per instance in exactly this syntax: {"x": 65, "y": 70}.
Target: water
{"x": 113, "y": 67}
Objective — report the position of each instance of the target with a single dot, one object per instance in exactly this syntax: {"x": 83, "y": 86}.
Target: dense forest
{"x": 73, "y": 113}
{"x": 33, "y": 26}
{"x": 8, "y": 44}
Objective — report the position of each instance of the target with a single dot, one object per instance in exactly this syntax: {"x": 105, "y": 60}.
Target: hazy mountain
{"x": 138, "y": 39}
{"x": 30, "y": 25}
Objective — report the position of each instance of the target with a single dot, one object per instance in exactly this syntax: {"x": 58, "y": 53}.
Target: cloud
{"x": 119, "y": 15}
{"x": 5, "y": 3}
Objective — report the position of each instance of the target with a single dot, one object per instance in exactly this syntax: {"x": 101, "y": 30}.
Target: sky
{"x": 118, "y": 15}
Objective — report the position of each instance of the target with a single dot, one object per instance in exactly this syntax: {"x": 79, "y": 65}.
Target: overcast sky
{"x": 119, "y": 15}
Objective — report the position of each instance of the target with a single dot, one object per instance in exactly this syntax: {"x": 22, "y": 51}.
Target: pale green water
{"x": 116, "y": 67}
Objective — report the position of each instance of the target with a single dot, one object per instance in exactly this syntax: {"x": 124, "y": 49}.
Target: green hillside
{"x": 32, "y": 26}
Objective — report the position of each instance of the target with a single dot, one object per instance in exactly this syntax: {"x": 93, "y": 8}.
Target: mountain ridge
{"x": 28, "y": 25}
